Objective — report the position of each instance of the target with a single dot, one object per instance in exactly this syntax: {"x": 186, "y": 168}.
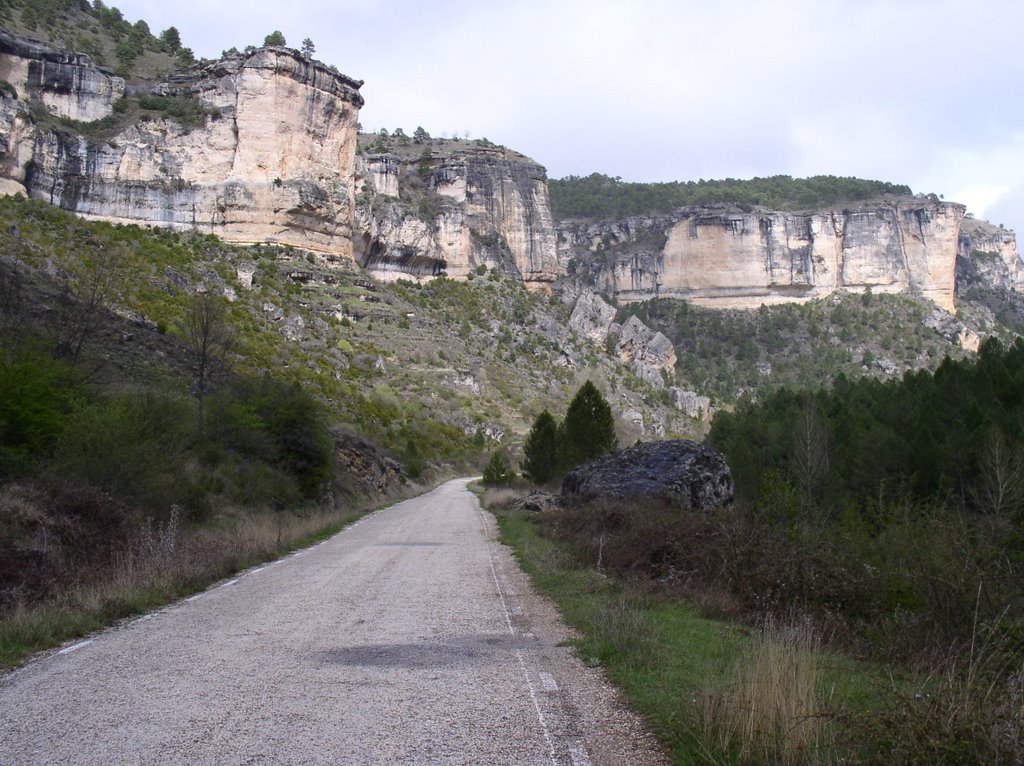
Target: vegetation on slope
{"x": 731, "y": 354}
{"x": 600, "y": 197}
{"x": 100, "y": 31}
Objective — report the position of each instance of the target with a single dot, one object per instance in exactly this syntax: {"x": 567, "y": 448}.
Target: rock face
{"x": 272, "y": 161}
{"x": 988, "y": 255}
{"x": 681, "y": 472}
{"x": 421, "y": 216}
{"x": 373, "y": 473}
{"x": 68, "y": 85}
{"x": 649, "y": 354}
{"x": 725, "y": 257}
{"x": 592, "y": 317}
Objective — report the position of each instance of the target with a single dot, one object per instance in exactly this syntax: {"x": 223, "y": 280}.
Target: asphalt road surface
{"x": 411, "y": 637}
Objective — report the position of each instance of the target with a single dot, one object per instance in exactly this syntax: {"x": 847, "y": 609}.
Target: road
{"x": 411, "y": 637}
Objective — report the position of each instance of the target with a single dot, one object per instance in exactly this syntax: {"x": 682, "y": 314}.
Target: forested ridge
{"x": 599, "y": 196}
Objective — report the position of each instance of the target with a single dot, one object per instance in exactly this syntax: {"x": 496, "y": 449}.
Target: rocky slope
{"x": 725, "y": 257}
{"x": 271, "y": 158}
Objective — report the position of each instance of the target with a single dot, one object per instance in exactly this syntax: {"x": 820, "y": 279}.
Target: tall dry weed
{"x": 771, "y": 711}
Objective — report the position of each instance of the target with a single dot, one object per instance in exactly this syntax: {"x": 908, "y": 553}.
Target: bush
{"x": 37, "y": 397}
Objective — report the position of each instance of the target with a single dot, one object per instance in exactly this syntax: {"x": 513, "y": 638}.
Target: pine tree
{"x": 274, "y": 38}
{"x": 588, "y": 430}
{"x": 308, "y": 49}
{"x": 498, "y": 473}
{"x": 541, "y": 450}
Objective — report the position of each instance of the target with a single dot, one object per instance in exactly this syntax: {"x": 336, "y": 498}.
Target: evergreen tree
{"x": 498, "y": 473}
{"x": 541, "y": 450}
{"x": 274, "y": 38}
{"x": 170, "y": 38}
{"x": 588, "y": 430}
{"x": 308, "y": 49}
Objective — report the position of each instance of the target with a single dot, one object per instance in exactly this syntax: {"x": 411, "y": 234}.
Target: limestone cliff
{"x": 272, "y": 160}
{"x": 988, "y": 255}
{"x": 451, "y": 206}
{"x": 729, "y": 258}
{"x": 67, "y": 85}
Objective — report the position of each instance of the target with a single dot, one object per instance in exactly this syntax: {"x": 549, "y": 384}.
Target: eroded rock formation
{"x": 272, "y": 160}
{"x": 421, "y": 216}
{"x": 727, "y": 258}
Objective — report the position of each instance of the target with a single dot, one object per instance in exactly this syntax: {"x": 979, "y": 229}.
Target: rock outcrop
{"x": 67, "y": 85}
{"x": 448, "y": 210}
{"x": 681, "y": 472}
{"x": 372, "y": 473}
{"x": 726, "y": 257}
{"x": 649, "y": 354}
{"x": 271, "y": 160}
{"x": 592, "y": 317}
{"x": 988, "y": 256}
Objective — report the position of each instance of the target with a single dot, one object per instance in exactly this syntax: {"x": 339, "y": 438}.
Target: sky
{"x": 925, "y": 93}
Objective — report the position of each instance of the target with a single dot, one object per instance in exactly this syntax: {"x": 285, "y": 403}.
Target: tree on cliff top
{"x": 274, "y": 38}
{"x": 308, "y": 48}
{"x": 588, "y": 430}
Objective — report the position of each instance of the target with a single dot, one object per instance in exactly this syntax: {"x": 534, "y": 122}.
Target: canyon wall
{"x": 726, "y": 257}
{"x": 270, "y": 158}
{"x": 449, "y": 207}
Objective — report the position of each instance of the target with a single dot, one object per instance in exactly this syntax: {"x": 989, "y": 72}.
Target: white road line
{"x": 547, "y": 681}
{"x": 229, "y": 582}
{"x": 75, "y": 647}
{"x": 519, "y": 653}
{"x": 258, "y": 569}
{"x": 195, "y": 597}
{"x": 145, "y": 617}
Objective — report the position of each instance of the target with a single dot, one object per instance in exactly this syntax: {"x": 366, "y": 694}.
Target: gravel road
{"x": 411, "y": 637}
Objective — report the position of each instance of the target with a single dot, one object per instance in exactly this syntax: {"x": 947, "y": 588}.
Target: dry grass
{"x": 162, "y": 563}
{"x": 771, "y": 712}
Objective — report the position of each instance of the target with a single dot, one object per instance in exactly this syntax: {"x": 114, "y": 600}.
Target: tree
{"x": 209, "y": 338}
{"x": 274, "y": 38}
{"x": 498, "y": 473}
{"x": 588, "y": 430}
{"x": 420, "y": 135}
{"x": 308, "y": 49}
{"x": 170, "y": 39}
{"x": 541, "y": 450}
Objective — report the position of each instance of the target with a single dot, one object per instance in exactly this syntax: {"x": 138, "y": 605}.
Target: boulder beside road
{"x": 680, "y": 471}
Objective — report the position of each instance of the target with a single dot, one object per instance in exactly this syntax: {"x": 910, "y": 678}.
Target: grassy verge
{"x": 713, "y": 692}
{"x": 162, "y": 564}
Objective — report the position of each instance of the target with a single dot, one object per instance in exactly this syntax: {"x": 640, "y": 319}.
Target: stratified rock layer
{"x": 273, "y": 161}
{"x": 681, "y": 472}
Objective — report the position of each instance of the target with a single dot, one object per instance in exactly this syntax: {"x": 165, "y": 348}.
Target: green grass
{"x": 681, "y": 670}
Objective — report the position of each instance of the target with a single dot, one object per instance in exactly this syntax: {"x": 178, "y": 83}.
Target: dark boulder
{"x": 682, "y": 472}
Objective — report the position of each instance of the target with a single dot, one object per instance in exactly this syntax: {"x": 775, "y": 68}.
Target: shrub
{"x": 37, "y": 396}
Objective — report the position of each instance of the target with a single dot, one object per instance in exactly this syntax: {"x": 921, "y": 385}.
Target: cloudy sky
{"x": 928, "y": 93}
